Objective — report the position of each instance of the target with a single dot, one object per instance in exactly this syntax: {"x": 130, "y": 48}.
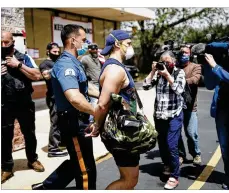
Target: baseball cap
{"x": 116, "y": 35}
{"x": 50, "y": 45}
{"x": 93, "y": 46}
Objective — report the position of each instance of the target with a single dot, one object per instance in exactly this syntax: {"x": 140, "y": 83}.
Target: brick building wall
{"x": 12, "y": 20}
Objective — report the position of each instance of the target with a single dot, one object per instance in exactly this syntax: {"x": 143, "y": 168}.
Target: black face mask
{"x": 54, "y": 57}
{"x": 6, "y": 51}
{"x": 94, "y": 55}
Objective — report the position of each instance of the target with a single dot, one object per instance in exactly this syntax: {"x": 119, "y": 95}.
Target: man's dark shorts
{"x": 126, "y": 160}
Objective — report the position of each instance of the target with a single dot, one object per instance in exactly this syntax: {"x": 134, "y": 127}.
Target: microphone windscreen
{"x": 198, "y": 48}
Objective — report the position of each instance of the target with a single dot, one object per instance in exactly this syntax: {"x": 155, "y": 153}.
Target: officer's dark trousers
{"x": 81, "y": 165}
{"x": 25, "y": 114}
{"x": 54, "y": 133}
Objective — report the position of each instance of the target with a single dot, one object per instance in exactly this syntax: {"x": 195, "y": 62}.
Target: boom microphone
{"x": 198, "y": 49}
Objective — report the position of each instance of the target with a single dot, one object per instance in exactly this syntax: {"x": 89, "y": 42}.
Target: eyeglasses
{"x": 93, "y": 47}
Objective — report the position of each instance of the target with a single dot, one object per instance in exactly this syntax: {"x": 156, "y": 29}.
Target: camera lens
{"x": 160, "y": 65}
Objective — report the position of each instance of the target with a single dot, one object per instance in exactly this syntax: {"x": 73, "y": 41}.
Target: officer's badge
{"x": 69, "y": 72}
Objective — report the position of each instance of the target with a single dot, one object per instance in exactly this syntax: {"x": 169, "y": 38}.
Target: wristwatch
{"x": 19, "y": 65}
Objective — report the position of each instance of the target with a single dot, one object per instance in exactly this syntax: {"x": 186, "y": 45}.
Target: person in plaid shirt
{"x": 168, "y": 114}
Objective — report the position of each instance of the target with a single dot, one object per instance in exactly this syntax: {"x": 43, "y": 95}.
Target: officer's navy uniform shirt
{"x": 68, "y": 73}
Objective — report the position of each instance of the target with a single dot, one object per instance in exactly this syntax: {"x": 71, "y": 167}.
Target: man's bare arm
{"x": 114, "y": 78}
{"x": 79, "y": 101}
{"x": 93, "y": 91}
{"x": 31, "y": 73}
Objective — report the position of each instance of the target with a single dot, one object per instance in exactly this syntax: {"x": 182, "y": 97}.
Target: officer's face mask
{"x": 7, "y": 50}
{"x": 83, "y": 49}
{"x": 53, "y": 57}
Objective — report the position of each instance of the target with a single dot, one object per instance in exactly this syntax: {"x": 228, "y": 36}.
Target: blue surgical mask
{"x": 81, "y": 52}
{"x": 184, "y": 59}
{"x": 83, "y": 49}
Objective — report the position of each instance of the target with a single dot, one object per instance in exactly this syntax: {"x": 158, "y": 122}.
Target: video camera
{"x": 219, "y": 48}
{"x": 169, "y": 45}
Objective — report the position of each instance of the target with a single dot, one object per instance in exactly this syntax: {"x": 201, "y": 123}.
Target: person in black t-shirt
{"x": 53, "y": 52}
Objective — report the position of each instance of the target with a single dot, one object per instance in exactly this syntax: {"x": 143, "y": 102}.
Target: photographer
{"x": 168, "y": 114}
{"x": 221, "y": 101}
{"x": 192, "y": 75}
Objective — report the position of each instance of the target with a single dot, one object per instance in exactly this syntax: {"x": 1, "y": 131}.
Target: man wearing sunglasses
{"x": 92, "y": 67}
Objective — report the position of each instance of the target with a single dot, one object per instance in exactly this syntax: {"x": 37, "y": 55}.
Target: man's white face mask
{"x": 129, "y": 53}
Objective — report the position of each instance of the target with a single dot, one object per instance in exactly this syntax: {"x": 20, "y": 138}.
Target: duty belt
{"x": 80, "y": 115}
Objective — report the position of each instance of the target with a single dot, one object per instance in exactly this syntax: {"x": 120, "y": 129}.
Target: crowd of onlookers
{"x": 79, "y": 82}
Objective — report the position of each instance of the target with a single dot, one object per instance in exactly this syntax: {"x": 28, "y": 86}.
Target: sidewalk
{"x": 24, "y": 177}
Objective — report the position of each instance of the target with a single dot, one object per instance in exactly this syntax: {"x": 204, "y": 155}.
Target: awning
{"x": 115, "y": 14}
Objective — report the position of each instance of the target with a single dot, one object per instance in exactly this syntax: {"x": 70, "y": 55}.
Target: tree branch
{"x": 141, "y": 24}
{"x": 187, "y": 18}
{"x": 184, "y": 19}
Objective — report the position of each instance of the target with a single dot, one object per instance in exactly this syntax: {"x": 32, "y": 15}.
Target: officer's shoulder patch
{"x": 69, "y": 72}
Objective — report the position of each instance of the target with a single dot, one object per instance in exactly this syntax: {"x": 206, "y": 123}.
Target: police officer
{"x": 53, "y": 52}
{"x": 17, "y": 73}
{"x": 71, "y": 94}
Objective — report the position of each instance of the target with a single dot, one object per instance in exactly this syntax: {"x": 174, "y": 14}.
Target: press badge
{"x": 69, "y": 72}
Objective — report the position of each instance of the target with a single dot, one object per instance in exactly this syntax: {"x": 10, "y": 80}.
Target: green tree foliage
{"x": 199, "y": 35}
{"x": 180, "y": 24}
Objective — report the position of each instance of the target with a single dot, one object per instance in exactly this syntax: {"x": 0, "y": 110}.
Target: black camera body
{"x": 160, "y": 65}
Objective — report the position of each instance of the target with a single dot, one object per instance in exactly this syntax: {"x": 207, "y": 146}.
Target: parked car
{"x": 133, "y": 70}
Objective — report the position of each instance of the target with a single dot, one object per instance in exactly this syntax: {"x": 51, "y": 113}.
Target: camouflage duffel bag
{"x": 124, "y": 131}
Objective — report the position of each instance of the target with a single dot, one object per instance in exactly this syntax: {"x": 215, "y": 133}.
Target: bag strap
{"x": 176, "y": 73}
{"x": 138, "y": 99}
{"x": 187, "y": 87}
